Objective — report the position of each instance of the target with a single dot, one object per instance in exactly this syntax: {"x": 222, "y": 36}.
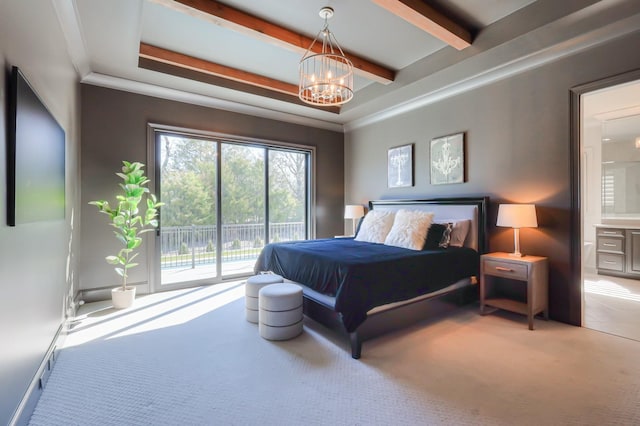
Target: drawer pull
{"x": 609, "y": 245}
{"x": 503, "y": 269}
{"x": 610, "y": 232}
{"x": 611, "y": 262}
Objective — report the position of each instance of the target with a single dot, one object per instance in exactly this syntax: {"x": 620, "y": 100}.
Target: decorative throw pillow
{"x": 358, "y": 226}
{"x": 409, "y": 229}
{"x": 375, "y": 226}
{"x": 434, "y": 236}
{"x": 459, "y": 233}
{"x": 446, "y": 236}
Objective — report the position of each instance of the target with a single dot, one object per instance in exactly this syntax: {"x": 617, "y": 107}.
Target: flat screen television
{"x": 35, "y": 157}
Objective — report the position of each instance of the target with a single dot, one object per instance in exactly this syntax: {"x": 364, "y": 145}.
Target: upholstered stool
{"x": 280, "y": 311}
{"x": 252, "y": 288}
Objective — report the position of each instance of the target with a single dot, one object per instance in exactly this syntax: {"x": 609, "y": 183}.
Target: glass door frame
{"x": 153, "y": 170}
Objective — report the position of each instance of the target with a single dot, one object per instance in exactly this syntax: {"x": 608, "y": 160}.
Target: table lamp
{"x": 353, "y": 212}
{"x": 517, "y": 216}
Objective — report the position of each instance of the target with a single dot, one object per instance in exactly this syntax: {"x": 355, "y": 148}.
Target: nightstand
{"x": 500, "y": 269}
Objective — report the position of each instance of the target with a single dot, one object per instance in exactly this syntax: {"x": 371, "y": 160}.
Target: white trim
{"x": 503, "y": 70}
{"x": 569, "y": 35}
{"x": 67, "y": 12}
{"x": 118, "y": 83}
{"x": 30, "y": 398}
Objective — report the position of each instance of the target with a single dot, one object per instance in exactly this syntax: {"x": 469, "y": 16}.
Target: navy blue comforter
{"x": 363, "y": 275}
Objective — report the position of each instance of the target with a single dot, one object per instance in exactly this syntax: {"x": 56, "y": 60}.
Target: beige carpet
{"x": 190, "y": 358}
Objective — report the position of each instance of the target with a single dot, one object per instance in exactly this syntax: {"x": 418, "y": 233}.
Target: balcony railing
{"x": 190, "y": 246}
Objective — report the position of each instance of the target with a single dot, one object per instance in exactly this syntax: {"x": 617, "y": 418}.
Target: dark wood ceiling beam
{"x": 166, "y": 56}
{"x": 423, "y": 16}
{"x": 258, "y": 28}
{"x": 181, "y": 65}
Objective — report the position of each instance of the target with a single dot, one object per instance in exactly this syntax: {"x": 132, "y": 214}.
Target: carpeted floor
{"x": 190, "y": 358}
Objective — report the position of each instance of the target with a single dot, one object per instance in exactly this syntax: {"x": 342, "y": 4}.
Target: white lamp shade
{"x": 517, "y": 216}
{"x": 353, "y": 211}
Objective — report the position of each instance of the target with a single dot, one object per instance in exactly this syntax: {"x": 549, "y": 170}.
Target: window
{"x": 225, "y": 198}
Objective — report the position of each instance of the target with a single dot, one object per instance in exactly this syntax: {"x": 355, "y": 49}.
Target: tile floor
{"x": 612, "y": 305}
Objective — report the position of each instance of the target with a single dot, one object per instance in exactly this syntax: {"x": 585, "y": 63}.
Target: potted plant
{"x": 130, "y": 224}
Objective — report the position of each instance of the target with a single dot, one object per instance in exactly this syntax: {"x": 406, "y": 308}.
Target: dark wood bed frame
{"x": 397, "y": 317}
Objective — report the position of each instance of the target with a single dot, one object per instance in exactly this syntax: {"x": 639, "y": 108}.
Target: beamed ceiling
{"x": 243, "y": 55}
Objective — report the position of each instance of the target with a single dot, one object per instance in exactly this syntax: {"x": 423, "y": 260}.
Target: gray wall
{"x": 517, "y": 150}
{"x": 114, "y": 128}
{"x": 37, "y": 261}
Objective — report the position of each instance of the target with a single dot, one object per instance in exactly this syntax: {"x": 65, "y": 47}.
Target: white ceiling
{"x": 616, "y": 110}
{"x": 510, "y": 35}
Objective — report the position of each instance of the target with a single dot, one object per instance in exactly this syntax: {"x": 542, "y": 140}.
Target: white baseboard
{"x": 28, "y": 403}
{"x": 104, "y": 293}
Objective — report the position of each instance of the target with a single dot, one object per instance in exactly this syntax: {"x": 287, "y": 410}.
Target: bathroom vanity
{"x": 618, "y": 250}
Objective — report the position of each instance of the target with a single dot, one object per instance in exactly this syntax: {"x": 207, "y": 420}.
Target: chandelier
{"x": 326, "y": 78}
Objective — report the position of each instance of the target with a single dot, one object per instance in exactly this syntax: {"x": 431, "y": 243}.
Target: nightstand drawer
{"x": 610, "y": 244}
{"x": 505, "y": 269}
{"x": 612, "y": 262}
{"x": 608, "y": 232}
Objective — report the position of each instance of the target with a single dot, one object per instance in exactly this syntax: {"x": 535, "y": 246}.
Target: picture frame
{"x": 400, "y": 166}
{"x": 446, "y": 161}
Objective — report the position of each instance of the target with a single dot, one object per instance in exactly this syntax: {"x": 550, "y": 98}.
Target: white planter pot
{"x": 122, "y": 299}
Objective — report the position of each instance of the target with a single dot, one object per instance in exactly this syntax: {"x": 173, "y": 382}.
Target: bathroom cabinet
{"x": 618, "y": 250}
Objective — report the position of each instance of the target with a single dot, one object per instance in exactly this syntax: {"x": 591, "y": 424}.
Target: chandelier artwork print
{"x": 326, "y": 78}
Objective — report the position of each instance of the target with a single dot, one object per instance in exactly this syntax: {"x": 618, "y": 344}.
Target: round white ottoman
{"x": 252, "y": 288}
{"x": 280, "y": 311}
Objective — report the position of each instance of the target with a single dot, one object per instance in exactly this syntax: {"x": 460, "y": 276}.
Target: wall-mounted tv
{"x": 35, "y": 157}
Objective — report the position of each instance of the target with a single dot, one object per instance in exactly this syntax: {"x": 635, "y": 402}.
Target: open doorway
{"x": 610, "y": 207}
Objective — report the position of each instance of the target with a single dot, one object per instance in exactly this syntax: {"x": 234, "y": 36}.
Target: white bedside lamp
{"x": 353, "y": 212}
{"x": 517, "y": 216}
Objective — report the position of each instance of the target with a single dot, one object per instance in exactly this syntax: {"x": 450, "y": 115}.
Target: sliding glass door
{"x": 243, "y": 213}
{"x": 288, "y": 195}
{"x": 223, "y": 200}
{"x": 188, "y": 220}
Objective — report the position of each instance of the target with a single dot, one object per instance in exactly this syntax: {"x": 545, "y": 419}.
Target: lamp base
{"x": 516, "y": 243}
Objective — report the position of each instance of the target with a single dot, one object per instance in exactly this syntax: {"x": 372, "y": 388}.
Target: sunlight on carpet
{"x": 152, "y": 312}
{"x": 206, "y": 365}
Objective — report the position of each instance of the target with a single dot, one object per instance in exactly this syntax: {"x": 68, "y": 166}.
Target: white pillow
{"x": 375, "y": 226}
{"x": 409, "y": 229}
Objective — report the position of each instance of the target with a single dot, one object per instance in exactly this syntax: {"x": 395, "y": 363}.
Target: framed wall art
{"x": 447, "y": 159}
{"x": 400, "y": 166}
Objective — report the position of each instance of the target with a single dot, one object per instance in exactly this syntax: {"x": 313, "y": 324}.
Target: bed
{"x": 364, "y": 289}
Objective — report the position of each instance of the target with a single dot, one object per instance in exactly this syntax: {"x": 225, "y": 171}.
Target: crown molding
{"x": 148, "y": 89}
{"x": 458, "y": 79}
{"x": 67, "y": 12}
{"x": 597, "y": 24}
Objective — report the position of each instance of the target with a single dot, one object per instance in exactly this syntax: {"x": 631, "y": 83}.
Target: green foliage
{"x": 210, "y": 247}
{"x": 257, "y": 243}
{"x": 130, "y": 223}
{"x": 184, "y": 248}
{"x": 189, "y": 186}
{"x": 188, "y": 181}
{"x": 235, "y": 245}
{"x": 242, "y": 184}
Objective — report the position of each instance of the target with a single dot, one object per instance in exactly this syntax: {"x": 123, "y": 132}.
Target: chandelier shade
{"x": 326, "y": 78}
